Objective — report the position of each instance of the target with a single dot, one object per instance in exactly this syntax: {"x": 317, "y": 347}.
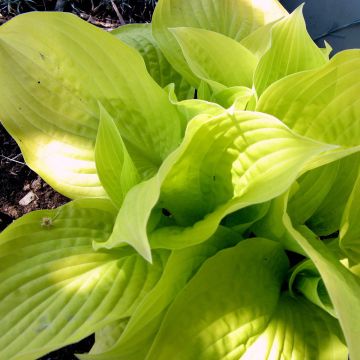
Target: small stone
{"x": 27, "y": 199}
{"x": 36, "y": 184}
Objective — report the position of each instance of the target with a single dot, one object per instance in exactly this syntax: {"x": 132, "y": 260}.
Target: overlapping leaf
{"x": 328, "y": 216}
{"x": 136, "y": 339}
{"x": 55, "y": 290}
{"x": 251, "y": 158}
{"x": 342, "y": 286}
{"x": 54, "y": 69}
{"x": 322, "y": 104}
{"x": 291, "y": 50}
{"x": 306, "y": 280}
{"x": 350, "y": 226}
{"x": 224, "y": 313}
{"x": 235, "y": 19}
{"x": 216, "y": 58}
{"x": 114, "y": 165}
{"x": 139, "y": 36}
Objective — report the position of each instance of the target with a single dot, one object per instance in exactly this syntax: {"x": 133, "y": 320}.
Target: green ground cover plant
{"x": 213, "y": 161}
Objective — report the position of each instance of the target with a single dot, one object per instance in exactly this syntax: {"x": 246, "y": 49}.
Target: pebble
{"x": 27, "y": 199}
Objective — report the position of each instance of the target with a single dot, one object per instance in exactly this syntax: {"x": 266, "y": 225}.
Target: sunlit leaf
{"x": 235, "y": 19}
{"x": 322, "y": 103}
{"x": 291, "y": 50}
{"x": 252, "y": 158}
{"x": 55, "y": 289}
{"x": 54, "y": 69}
{"x": 138, "y": 336}
{"x": 213, "y": 57}
{"x": 224, "y": 313}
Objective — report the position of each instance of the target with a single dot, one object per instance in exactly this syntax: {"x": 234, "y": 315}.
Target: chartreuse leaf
{"x": 241, "y": 220}
{"x": 214, "y": 57}
{"x": 251, "y": 158}
{"x": 194, "y": 107}
{"x": 327, "y": 217}
{"x": 114, "y": 165}
{"x": 305, "y": 279}
{"x": 238, "y": 97}
{"x": 107, "y": 336}
{"x": 139, "y": 36}
{"x": 134, "y": 343}
{"x": 55, "y": 289}
{"x": 299, "y": 330}
{"x": 321, "y": 103}
{"x": 313, "y": 187}
{"x": 54, "y": 69}
{"x": 233, "y": 308}
{"x": 259, "y": 41}
{"x": 350, "y": 227}
{"x": 235, "y": 19}
{"x": 343, "y": 287}
{"x": 291, "y": 50}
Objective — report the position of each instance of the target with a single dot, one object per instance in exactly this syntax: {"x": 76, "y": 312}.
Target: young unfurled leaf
{"x": 305, "y": 279}
{"x": 342, "y": 286}
{"x": 55, "y": 289}
{"x": 233, "y": 308}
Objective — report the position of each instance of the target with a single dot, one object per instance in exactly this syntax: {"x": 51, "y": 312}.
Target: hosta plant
{"x": 213, "y": 161}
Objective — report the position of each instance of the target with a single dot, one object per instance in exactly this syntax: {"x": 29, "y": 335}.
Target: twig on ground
{"x": 13, "y": 159}
{"x": 121, "y": 19}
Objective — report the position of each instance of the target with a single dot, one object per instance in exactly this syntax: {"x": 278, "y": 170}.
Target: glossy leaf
{"x": 224, "y": 313}
{"x": 299, "y": 330}
{"x": 235, "y": 19}
{"x": 54, "y": 69}
{"x": 55, "y": 289}
{"x": 253, "y": 158}
{"x": 138, "y": 336}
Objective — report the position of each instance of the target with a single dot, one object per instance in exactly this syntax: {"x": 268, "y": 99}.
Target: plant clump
{"x": 212, "y": 159}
